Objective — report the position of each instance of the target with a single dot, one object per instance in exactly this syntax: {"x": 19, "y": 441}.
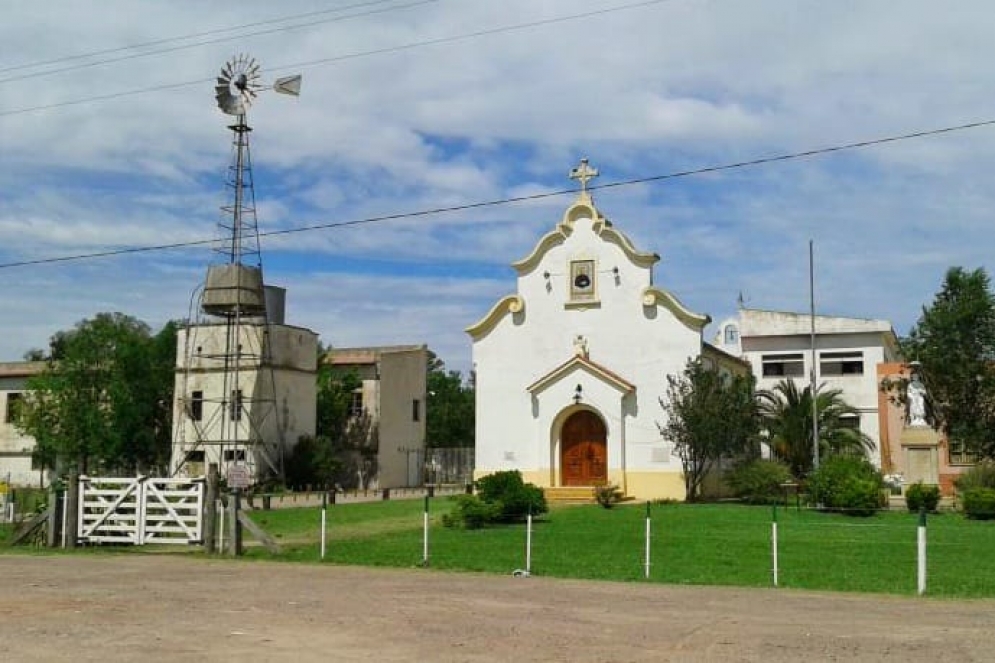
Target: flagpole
{"x": 811, "y": 301}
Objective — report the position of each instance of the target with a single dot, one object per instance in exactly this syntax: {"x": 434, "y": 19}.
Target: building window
{"x": 197, "y": 405}
{"x": 233, "y": 455}
{"x": 731, "y": 335}
{"x": 959, "y": 455}
{"x": 14, "y": 401}
{"x": 415, "y": 410}
{"x": 841, "y": 363}
{"x": 356, "y": 403}
{"x": 851, "y": 421}
{"x": 787, "y": 365}
{"x": 582, "y": 281}
{"x": 235, "y": 407}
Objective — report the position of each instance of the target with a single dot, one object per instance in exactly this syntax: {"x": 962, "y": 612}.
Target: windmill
{"x": 226, "y": 410}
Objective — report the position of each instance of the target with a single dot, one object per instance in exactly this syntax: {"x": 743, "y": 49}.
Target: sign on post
{"x": 238, "y": 476}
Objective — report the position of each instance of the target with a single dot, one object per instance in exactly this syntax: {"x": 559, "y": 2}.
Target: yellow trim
{"x": 509, "y": 304}
{"x": 638, "y": 485}
{"x": 639, "y": 258}
{"x": 547, "y": 242}
{"x": 658, "y": 297}
{"x": 590, "y": 367}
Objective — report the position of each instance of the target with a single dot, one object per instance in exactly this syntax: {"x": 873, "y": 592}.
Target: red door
{"x": 584, "y": 450}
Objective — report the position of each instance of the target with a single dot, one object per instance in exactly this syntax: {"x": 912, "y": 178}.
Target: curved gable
{"x": 510, "y": 304}
{"x": 653, "y": 296}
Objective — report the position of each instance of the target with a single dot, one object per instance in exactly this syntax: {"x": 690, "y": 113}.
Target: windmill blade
{"x": 288, "y": 85}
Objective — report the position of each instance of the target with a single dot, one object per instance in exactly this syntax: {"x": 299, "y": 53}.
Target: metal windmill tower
{"x": 229, "y": 340}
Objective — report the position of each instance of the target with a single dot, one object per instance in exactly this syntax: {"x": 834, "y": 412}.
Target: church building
{"x": 571, "y": 367}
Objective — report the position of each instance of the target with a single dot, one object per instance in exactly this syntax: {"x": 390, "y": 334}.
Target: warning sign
{"x": 238, "y": 476}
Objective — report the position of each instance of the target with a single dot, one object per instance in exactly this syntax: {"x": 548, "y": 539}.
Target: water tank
{"x": 276, "y": 304}
{"x": 234, "y": 288}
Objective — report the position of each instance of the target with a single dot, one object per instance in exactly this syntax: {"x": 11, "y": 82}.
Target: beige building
{"x": 16, "y": 448}
{"x": 245, "y": 401}
{"x": 393, "y": 392}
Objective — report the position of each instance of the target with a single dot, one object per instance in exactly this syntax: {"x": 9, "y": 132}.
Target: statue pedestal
{"x": 920, "y": 448}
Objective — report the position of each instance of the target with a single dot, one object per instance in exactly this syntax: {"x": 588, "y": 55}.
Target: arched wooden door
{"x": 583, "y": 450}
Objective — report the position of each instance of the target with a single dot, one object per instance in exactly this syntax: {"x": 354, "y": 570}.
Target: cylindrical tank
{"x": 276, "y": 304}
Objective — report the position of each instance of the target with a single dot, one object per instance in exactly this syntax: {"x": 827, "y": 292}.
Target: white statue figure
{"x": 916, "y": 396}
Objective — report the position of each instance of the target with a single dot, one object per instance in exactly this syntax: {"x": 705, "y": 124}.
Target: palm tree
{"x": 787, "y": 416}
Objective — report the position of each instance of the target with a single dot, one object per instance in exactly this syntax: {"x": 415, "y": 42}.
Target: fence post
{"x": 72, "y": 508}
{"x": 210, "y": 508}
{"x": 773, "y": 544}
{"x": 424, "y": 548}
{"x": 324, "y": 521}
{"x": 528, "y": 543}
{"x": 234, "y": 526}
{"x": 53, "y": 534}
{"x": 921, "y": 552}
{"x": 647, "y": 563}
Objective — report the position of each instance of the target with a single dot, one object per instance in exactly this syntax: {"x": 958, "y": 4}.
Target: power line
{"x": 517, "y": 199}
{"x": 348, "y": 56}
{"x": 218, "y": 40}
{"x": 194, "y": 35}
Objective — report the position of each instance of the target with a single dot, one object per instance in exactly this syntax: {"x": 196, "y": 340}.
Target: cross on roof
{"x": 583, "y": 173}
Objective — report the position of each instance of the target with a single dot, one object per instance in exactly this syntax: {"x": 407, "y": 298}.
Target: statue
{"x": 915, "y": 395}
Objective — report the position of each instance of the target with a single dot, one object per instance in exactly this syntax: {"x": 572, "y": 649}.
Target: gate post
{"x": 210, "y": 508}
{"x": 234, "y": 526}
{"x": 72, "y": 509}
{"x": 53, "y": 535}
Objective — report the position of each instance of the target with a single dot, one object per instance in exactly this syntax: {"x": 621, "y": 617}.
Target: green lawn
{"x": 695, "y": 544}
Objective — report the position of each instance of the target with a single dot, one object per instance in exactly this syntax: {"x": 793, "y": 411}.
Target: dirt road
{"x": 141, "y": 607}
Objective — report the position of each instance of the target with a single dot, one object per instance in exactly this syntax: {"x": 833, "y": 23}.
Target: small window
{"x": 197, "y": 405}
{"x": 235, "y": 406}
{"x": 850, "y": 421}
{"x": 731, "y": 335}
{"x": 196, "y": 456}
{"x": 415, "y": 410}
{"x": 234, "y": 455}
{"x": 787, "y": 365}
{"x": 959, "y": 454}
{"x": 14, "y": 401}
{"x": 356, "y": 403}
{"x": 841, "y": 363}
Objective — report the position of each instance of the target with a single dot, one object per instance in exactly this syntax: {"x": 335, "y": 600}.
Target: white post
{"x": 424, "y": 548}
{"x": 65, "y": 516}
{"x": 647, "y": 564}
{"x": 324, "y": 521}
{"x": 921, "y": 556}
{"x": 221, "y": 525}
{"x": 773, "y": 545}
{"x": 528, "y": 544}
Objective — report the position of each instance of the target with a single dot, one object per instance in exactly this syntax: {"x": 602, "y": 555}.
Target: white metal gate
{"x": 140, "y": 510}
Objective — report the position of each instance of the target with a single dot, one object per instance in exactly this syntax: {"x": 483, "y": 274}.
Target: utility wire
{"x": 217, "y": 40}
{"x": 516, "y": 199}
{"x": 348, "y": 56}
{"x": 195, "y": 35}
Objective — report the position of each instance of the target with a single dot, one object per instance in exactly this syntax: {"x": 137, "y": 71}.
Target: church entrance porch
{"x": 583, "y": 450}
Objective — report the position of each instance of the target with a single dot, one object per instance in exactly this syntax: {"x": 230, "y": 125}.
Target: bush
{"x": 919, "y": 496}
{"x": 502, "y": 497}
{"x": 981, "y": 475}
{"x": 758, "y": 481}
{"x": 979, "y": 503}
{"x": 849, "y": 484}
{"x": 470, "y": 512}
{"x": 607, "y": 495}
{"x": 514, "y": 498}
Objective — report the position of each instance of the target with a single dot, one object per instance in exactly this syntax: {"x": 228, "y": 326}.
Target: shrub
{"x": 919, "y": 496}
{"x": 979, "y": 503}
{"x": 849, "y": 484}
{"x": 607, "y": 495}
{"x": 981, "y": 475}
{"x": 470, "y": 512}
{"x": 514, "y": 498}
{"x": 758, "y": 481}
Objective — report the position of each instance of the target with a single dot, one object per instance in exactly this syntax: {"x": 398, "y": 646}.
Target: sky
{"x": 110, "y": 139}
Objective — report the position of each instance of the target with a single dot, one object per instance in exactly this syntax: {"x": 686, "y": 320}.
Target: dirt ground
{"x": 141, "y": 607}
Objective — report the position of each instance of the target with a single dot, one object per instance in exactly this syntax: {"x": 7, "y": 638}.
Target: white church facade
{"x": 570, "y": 368}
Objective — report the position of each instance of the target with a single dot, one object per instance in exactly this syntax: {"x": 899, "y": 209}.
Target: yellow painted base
{"x": 637, "y": 485}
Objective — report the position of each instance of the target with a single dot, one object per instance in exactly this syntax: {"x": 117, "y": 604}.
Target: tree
{"x": 103, "y": 402}
{"x": 710, "y": 416}
{"x": 954, "y": 343}
{"x": 450, "y": 412}
{"x": 786, "y": 412}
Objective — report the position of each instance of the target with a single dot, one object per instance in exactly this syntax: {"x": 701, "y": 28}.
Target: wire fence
{"x": 889, "y": 551}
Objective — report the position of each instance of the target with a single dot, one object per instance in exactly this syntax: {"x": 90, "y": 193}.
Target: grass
{"x": 690, "y": 544}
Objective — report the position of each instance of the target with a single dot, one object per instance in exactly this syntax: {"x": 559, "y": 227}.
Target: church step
{"x": 567, "y": 494}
